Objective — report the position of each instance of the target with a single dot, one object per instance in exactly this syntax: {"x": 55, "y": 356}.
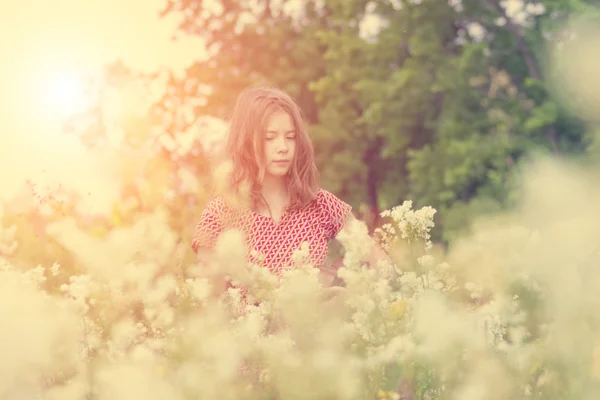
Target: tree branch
{"x": 520, "y": 41}
{"x": 529, "y": 59}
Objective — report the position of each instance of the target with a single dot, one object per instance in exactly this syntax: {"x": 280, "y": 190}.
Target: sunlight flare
{"x": 62, "y": 92}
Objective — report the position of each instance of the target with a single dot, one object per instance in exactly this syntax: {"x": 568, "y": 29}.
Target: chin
{"x": 277, "y": 172}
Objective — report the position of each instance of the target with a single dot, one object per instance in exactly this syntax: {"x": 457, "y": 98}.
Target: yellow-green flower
{"x": 398, "y": 308}
{"x": 536, "y": 368}
{"x": 383, "y": 395}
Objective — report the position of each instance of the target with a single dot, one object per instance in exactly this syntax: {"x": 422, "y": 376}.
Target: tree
{"x": 386, "y": 89}
{"x": 451, "y": 95}
{"x": 502, "y": 111}
{"x": 249, "y": 42}
{"x": 438, "y": 102}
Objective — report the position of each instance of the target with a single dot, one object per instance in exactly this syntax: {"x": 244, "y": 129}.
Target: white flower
{"x": 476, "y": 31}
{"x": 199, "y": 288}
{"x": 426, "y": 261}
{"x": 55, "y": 269}
{"x": 357, "y": 244}
{"x": 412, "y": 225}
{"x": 301, "y": 256}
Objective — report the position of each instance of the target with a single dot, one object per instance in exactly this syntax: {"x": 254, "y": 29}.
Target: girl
{"x": 273, "y": 168}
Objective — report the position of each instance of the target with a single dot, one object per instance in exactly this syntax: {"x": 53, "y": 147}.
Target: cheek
{"x": 267, "y": 149}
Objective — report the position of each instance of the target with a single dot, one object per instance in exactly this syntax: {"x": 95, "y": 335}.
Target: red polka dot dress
{"x": 316, "y": 224}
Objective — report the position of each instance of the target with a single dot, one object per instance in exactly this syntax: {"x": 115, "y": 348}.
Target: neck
{"x": 274, "y": 186}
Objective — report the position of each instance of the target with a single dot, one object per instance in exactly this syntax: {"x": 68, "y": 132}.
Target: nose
{"x": 282, "y": 146}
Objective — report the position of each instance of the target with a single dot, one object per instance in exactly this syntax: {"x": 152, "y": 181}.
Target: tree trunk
{"x": 370, "y": 158}
{"x": 373, "y": 196}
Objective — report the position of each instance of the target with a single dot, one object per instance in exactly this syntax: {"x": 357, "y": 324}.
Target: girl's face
{"x": 279, "y": 144}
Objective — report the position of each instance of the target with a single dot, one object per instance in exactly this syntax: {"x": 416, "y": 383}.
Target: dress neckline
{"x": 284, "y": 214}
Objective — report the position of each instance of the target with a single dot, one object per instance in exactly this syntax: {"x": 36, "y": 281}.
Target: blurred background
{"x": 112, "y": 109}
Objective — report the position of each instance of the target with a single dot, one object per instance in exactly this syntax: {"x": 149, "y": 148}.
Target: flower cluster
{"x": 507, "y": 313}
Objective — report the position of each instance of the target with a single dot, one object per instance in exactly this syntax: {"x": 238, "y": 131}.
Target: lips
{"x": 281, "y": 161}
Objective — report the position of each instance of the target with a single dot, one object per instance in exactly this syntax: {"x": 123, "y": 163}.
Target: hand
{"x": 334, "y": 292}
{"x": 327, "y": 276}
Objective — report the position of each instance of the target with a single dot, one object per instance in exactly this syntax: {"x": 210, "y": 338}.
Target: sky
{"x": 46, "y": 38}
{"x": 46, "y": 47}
{"x": 94, "y": 31}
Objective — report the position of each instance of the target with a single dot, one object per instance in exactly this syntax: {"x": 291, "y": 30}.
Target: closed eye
{"x": 272, "y": 135}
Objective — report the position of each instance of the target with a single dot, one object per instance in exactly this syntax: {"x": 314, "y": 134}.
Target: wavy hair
{"x": 244, "y": 146}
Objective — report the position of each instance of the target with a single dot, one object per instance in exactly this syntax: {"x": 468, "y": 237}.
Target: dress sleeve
{"x": 209, "y": 226}
{"x": 334, "y": 211}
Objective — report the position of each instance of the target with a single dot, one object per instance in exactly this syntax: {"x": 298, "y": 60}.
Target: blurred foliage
{"x": 150, "y": 168}
{"x": 430, "y": 100}
{"x": 437, "y": 102}
{"x": 443, "y": 103}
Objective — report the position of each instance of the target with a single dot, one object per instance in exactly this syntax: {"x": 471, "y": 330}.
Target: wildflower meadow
{"x": 510, "y": 312}
{"x": 470, "y": 130}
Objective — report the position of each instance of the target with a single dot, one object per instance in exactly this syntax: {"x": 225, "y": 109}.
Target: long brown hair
{"x": 244, "y": 146}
